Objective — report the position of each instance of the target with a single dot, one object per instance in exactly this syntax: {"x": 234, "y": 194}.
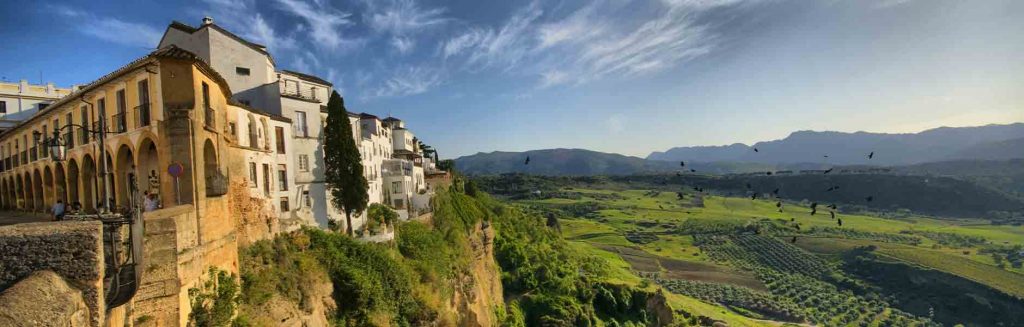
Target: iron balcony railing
{"x": 120, "y": 122}
{"x": 69, "y": 139}
{"x": 142, "y": 117}
{"x": 24, "y": 157}
{"x": 83, "y": 135}
{"x": 306, "y": 94}
{"x": 33, "y": 153}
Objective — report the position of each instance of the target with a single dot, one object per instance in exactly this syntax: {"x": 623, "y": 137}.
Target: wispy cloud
{"x": 325, "y": 22}
{"x": 502, "y": 47}
{"x": 401, "y": 20}
{"x": 243, "y": 18}
{"x": 112, "y": 29}
{"x": 408, "y": 80}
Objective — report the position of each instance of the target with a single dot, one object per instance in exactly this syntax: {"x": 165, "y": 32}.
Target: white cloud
{"x": 241, "y": 17}
{"x": 113, "y": 29}
{"x": 616, "y": 123}
{"x": 402, "y": 17}
{"x": 503, "y": 47}
{"x": 553, "y": 78}
{"x": 402, "y": 44}
{"x": 408, "y": 80}
{"x": 885, "y": 4}
{"x": 324, "y": 21}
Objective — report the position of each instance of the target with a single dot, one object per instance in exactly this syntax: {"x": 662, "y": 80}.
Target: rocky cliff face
{"x": 479, "y": 292}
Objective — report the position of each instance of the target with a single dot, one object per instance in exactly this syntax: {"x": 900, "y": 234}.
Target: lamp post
{"x": 58, "y": 153}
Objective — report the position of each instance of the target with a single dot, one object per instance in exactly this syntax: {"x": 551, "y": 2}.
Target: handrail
{"x": 142, "y": 115}
{"x": 120, "y": 122}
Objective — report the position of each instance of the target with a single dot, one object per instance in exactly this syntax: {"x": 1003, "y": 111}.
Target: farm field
{"x": 696, "y": 244}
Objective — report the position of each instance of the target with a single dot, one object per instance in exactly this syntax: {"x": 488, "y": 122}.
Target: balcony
{"x": 209, "y": 119}
{"x": 69, "y": 139}
{"x": 299, "y": 94}
{"x": 33, "y": 153}
{"x": 120, "y": 122}
{"x": 83, "y": 135}
{"x": 24, "y": 157}
{"x": 142, "y": 117}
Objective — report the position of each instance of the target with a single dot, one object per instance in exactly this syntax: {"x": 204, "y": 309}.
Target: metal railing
{"x": 83, "y": 135}
{"x": 24, "y": 157}
{"x": 33, "y": 153}
{"x": 69, "y": 139}
{"x": 120, "y": 122}
{"x": 142, "y": 117}
{"x": 306, "y": 94}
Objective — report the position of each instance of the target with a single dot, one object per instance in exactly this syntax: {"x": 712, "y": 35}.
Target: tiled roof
{"x": 307, "y": 77}
{"x": 171, "y": 51}
{"x": 190, "y": 30}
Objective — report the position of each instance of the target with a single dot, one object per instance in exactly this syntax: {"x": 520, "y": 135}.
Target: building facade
{"x": 19, "y": 101}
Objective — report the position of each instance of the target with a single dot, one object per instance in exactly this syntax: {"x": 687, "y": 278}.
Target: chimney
{"x": 207, "y": 20}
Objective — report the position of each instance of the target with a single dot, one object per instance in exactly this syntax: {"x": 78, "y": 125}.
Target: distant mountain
{"x": 579, "y": 162}
{"x": 944, "y": 143}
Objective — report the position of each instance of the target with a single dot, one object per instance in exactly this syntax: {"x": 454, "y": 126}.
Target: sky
{"x": 619, "y": 76}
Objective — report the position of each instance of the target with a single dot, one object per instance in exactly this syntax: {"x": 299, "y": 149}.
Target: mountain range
{"x": 990, "y": 142}
{"x": 800, "y": 150}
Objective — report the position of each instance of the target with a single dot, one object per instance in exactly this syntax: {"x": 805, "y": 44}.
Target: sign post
{"x": 175, "y": 170}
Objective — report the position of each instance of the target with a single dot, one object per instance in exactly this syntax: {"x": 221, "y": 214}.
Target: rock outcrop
{"x": 43, "y": 299}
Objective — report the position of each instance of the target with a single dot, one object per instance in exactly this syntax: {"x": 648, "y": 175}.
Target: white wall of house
{"x": 19, "y": 101}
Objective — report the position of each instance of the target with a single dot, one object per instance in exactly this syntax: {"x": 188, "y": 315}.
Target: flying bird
{"x": 682, "y": 164}
{"x": 753, "y": 196}
{"x": 768, "y": 173}
{"x": 828, "y": 170}
{"x": 871, "y": 155}
{"x": 833, "y": 188}
{"x": 833, "y": 213}
{"x": 776, "y": 191}
{"x": 833, "y": 206}
{"x": 869, "y": 198}
{"x": 778, "y": 204}
{"x": 792, "y": 219}
{"x": 693, "y": 170}
{"x": 755, "y": 150}
{"x": 814, "y": 211}
{"x": 527, "y": 162}
{"x": 826, "y": 156}
{"x": 840, "y": 221}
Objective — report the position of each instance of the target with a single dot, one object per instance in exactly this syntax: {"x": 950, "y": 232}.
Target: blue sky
{"x": 617, "y": 76}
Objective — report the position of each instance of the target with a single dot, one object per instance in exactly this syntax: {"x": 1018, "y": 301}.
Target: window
{"x": 242, "y": 71}
{"x": 3, "y": 107}
{"x": 282, "y": 177}
{"x": 122, "y": 106}
{"x": 304, "y": 162}
{"x": 284, "y": 204}
{"x": 206, "y": 95}
{"x": 143, "y": 118}
{"x": 252, "y": 174}
{"x": 232, "y": 129}
{"x": 396, "y": 187}
{"x": 84, "y": 118}
{"x": 279, "y": 134}
{"x": 300, "y": 124}
{"x": 307, "y": 201}
{"x": 41, "y": 106}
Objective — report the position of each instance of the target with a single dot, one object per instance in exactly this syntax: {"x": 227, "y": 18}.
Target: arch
{"x": 26, "y": 179}
{"x": 19, "y": 193}
{"x": 37, "y": 190}
{"x": 60, "y": 184}
{"x": 125, "y": 177}
{"x": 73, "y": 182}
{"x": 253, "y": 141}
{"x": 264, "y": 134}
{"x": 216, "y": 183}
{"x": 48, "y": 195}
{"x": 87, "y": 182}
{"x": 148, "y": 163}
{"x": 3, "y": 193}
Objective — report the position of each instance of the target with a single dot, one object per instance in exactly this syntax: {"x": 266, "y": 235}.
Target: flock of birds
{"x": 778, "y": 204}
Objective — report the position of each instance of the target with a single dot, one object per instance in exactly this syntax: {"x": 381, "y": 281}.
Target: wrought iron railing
{"x": 83, "y": 135}
{"x": 69, "y": 139}
{"x": 33, "y": 154}
{"x": 305, "y": 94}
{"x": 142, "y": 115}
{"x": 24, "y": 157}
{"x": 120, "y": 122}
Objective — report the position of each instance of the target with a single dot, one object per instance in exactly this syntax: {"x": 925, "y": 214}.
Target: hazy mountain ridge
{"x": 943, "y": 143}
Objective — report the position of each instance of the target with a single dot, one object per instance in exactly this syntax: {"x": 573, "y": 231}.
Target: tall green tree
{"x": 344, "y": 171}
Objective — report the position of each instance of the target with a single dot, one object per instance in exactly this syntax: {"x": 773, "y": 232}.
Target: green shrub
{"x": 213, "y": 303}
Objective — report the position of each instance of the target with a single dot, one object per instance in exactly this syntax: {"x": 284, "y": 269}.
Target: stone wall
{"x": 72, "y": 249}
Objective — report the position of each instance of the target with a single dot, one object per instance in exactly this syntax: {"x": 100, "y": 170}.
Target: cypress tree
{"x": 344, "y": 166}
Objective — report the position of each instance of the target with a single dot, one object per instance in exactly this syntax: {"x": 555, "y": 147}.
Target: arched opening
{"x": 149, "y": 169}
{"x": 111, "y": 192}
{"x": 216, "y": 182}
{"x": 3, "y": 194}
{"x": 264, "y": 134}
{"x": 37, "y": 191}
{"x": 125, "y": 178}
{"x": 73, "y": 182}
{"x": 30, "y": 203}
{"x": 88, "y": 184}
{"x": 60, "y": 184}
{"x": 48, "y": 197}
{"x": 253, "y": 140}
{"x": 19, "y": 193}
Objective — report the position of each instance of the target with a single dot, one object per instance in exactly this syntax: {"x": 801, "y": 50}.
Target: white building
{"x": 300, "y": 99}
{"x": 21, "y": 100}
